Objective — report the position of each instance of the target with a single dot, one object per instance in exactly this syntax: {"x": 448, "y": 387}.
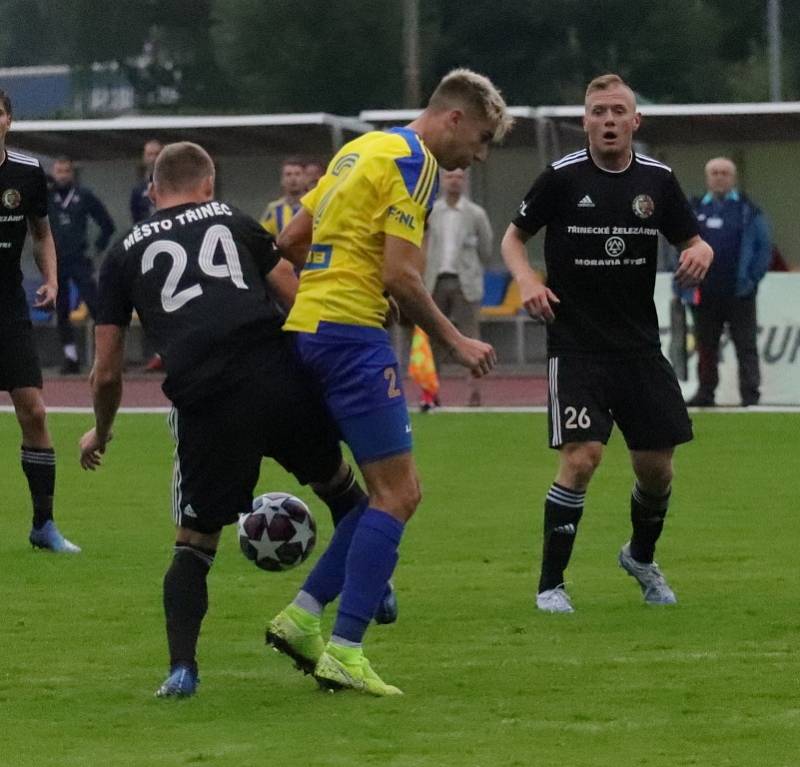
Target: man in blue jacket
{"x": 739, "y": 234}
{"x": 70, "y": 207}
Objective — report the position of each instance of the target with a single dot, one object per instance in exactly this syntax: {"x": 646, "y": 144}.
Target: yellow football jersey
{"x": 383, "y": 182}
{"x": 277, "y": 215}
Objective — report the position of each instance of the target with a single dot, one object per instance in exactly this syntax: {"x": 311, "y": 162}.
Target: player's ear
{"x": 151, "y": 191}
{"x": 637, "y": 121}
{"x": 454, "y": 118}
{"x": 208, "y": 187}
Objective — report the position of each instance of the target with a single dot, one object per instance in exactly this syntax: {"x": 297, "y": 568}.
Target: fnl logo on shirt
{"x": 406, "y": 219}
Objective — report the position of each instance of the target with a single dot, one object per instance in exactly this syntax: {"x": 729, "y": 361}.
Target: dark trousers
{"x": 710, "y": 316}
{"x": 80, "y": 271}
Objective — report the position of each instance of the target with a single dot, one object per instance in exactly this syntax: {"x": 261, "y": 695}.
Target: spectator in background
{"x": 459, "y": 245}
{"x": 140, "y": 203}
{"x": 314, "y": 170}
{"x": 142, "y": 207}
{"x": 70, "y": 207}
{"x": 739, "y": 234}
{"x": 279, "y": 212}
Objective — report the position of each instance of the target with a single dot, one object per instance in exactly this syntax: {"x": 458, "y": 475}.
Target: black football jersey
{"x": 195, "y": 274}
{"x": 601, "y": 247}
{"x": 23, "y": 194}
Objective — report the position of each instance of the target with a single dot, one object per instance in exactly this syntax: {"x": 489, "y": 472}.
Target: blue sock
{"x": 325, "y": 581}
{"x": 370, "y": 564}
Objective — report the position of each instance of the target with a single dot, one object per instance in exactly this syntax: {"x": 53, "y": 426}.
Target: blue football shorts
{"x": 362, "y": 386}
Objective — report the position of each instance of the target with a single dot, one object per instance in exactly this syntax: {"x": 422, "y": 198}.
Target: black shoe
{"x": 750, "y": 401}
{"x": 70, "y": 368}
{"x": 701, "y": 400}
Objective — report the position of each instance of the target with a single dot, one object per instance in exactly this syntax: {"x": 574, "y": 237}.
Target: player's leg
{"x": 66, "y": 332}
{"x": 39, "y": 466}
{"x": 394, "y": 494}
{"x": 185, "y": 591}
{"x": 296, "y": 631}
{"x": 563, "y": 509}
{"x": 652, "y": 416}
{"x": 744, "y": 328}
{"x": 649, "y": 504}
{"x": 217, "y": 459}
{"x": 579, "y": 425}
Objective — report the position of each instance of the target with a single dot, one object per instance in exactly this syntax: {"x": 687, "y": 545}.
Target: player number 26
{"x": 577, "y": 419}
{"x": 215, "y": 236}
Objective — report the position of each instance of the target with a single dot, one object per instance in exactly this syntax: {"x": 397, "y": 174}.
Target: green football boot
{"x": 295, "y": 632}
{"x": 346, "y": 668}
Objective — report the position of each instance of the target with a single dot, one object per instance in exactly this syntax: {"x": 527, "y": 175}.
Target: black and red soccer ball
{"x": 279, "y": 533}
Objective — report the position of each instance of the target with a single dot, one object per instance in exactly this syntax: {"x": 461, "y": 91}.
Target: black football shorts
{"x": 220, "y": 441}
{"x": 19, "y": 362}
{"x": 588, "y": 395}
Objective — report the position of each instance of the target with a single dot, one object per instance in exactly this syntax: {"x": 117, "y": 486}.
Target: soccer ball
{"x": 279, "y": 533}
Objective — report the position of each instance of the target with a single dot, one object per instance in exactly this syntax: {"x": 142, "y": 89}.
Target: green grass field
{"x": 489, "y": 681}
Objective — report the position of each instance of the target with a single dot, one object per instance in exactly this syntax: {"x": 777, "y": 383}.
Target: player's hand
{"x": 478, "y": 356}
{"x": 46, "y": 296}
{"x": 92, "y": 448}
{"x": 537, "y": 299}
{"x": 693, "y": 264}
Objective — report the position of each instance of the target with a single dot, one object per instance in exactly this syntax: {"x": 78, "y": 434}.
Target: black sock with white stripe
{"x": 186, "y": 601}
{"x": 647, "y": 517}
{"x": 563, "y": 509}
{"x": 345, "y": 497}
{"x": 39, "y": 466}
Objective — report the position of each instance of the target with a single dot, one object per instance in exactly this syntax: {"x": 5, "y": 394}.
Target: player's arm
{"x": 402, "y": 269}
{"x": 695, "y": 260}
{"x": 44, "y": 253}
{"x": 537, "y": 298}
{"x": 295, "y": 239}
{"x": 106, "y": 382}
{"x": 283, "y": 282}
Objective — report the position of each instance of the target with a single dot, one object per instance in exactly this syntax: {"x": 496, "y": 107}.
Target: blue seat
{"x": 495, "y": 284}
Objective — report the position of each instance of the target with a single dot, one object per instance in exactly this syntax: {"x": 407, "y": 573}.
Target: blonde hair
{"x": 465, "y": 88}
{"x": 606, "y": 82}
{"x": 180, "y": 167}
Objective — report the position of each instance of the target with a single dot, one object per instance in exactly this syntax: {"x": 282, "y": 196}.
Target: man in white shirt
{"x": 459, "y": 245}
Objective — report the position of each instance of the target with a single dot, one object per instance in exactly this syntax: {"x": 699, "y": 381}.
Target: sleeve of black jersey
{"x": 679, "y": 223}
{"x": 114, "y": 305}
{"x": 259, "y": 242}
{"x": 39, "y": 207}
{"x": 538, "y": 207}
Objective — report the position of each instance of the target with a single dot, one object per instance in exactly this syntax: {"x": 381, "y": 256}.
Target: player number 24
{"x": 577, "y": 419}
{"x": 215, "y": 236}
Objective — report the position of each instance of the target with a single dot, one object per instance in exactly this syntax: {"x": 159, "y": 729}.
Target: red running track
{"x": 145, "y": 391}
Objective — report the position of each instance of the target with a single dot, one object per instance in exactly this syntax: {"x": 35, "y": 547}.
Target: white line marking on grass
{"x": 85, "y": 410}
{"x": 445, "y": 410}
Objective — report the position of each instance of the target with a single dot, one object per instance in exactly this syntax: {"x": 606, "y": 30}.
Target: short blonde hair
{"x": 606, "y": 82}
{"x": 180, "y": 167}
{"x": 463, "y": 87}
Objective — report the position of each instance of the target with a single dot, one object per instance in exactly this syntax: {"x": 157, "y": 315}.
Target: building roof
{"x": 123, "y": 137}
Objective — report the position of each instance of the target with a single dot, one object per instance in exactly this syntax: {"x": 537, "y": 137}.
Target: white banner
{"x": 778, "y": 311}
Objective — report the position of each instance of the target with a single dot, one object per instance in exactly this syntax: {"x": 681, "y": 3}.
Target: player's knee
{"x": 653, "y": 472}
{"x": 32, "y": 417}
{"x": 655, "y": 478}
{"x": 401, "y": 502}
{"x": 580, "y": 463}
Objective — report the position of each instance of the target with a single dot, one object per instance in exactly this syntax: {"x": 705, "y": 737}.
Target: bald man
{"x": 739, "y": 234}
